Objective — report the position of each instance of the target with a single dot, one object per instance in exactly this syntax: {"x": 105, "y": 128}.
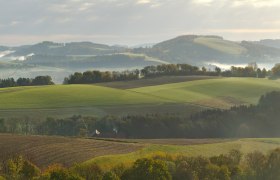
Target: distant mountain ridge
{"x": 196, "y": 49}
{"x": 193, "y": 49}
{"x": 188, "y": 49}
{"x": 269, "y": 42}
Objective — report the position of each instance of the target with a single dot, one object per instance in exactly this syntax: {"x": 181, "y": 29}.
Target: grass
{"x": 153, "y": 81}
{"x": 209, "y": 149}
{"x": 214, "y": 93}
{"x": 69, "y": 96}
{"x": 218, "y": 93}
{"x": 221, "y": 45}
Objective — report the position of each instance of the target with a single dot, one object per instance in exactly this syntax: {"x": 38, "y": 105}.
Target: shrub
{"x": 110, "y": 176}
{"x": 92, "y": 171}
{"x": 149, "y": 169}
{"x": 29, "y": 170}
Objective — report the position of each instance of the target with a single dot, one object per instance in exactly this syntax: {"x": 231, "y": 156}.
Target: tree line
{"x": 260, "y": 120}
{"x": 37, "y": 81}
{"x": 96, "y": 76}
{"x": 162, "y": 70}
{"x": 231, "y": 166}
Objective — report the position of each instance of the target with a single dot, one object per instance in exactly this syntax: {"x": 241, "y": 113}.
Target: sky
{"x": 133, "y": 22}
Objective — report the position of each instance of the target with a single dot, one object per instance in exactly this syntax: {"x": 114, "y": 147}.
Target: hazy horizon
{"x": 133, "y": 22}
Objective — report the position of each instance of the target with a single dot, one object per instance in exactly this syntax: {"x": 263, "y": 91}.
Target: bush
{"x": 58, "y": 172}
{"x": 29, "y": 170}
{"x": 110, "y": 176}
{"x": 92, "y": 171}
{"x": 149, "y": 169}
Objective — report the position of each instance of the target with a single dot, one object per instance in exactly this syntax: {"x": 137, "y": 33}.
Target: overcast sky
{"x": 134, "y": 22}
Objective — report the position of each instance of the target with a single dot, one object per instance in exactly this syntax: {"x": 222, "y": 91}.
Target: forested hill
{"x": 196, "y": 49}
{"x": 192, "y": 49}
{"x": 61, "y": 59}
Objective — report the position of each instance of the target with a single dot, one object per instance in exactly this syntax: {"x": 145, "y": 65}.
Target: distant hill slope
{"x": 196, "y": 49}
{"x": 188, "y": 49}
{"x": 117, "y": 60}
{"x": 269, "y": 42}
{"x": 74, "y": 48}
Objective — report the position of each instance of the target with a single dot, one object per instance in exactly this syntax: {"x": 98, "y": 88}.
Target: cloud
{"x": 143, "y": 1}
{"x": 257, "y": 3}
{"x": 125, "y": 21}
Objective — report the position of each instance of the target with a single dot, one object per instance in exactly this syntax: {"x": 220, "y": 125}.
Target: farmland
{"x": 210, "y": 148}
{"x": 44, "y": 150}
{"x": 184, "y": 97}
{"x": 230, "y": 91}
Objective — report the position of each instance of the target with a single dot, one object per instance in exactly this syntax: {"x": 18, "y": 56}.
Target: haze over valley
{"x": 61, "y": 59}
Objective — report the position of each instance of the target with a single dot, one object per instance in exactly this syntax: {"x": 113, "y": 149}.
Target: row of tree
{"x": 37, "y": 81}
{"x": 89, "y": 77}
{"x": 260, "y": 120}
{"x": 254, "y": 166}
{"x": 162, "y": 70}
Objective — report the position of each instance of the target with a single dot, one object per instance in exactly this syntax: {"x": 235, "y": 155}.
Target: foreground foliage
{"x": 254, "y": 165}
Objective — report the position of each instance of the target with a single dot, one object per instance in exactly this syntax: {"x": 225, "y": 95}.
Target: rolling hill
{"x": 193, "y": 49}
{"x": 269, "y": 42}
{"x": 197, "y": 50}
{"x": 184, "y": 97}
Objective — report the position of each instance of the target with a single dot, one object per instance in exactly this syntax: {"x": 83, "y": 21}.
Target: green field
{"x": 217, "y": 93}
{"x": 221, "y": 45}
{"x": 183, "y": 97}
{"x": 207, "y": 149}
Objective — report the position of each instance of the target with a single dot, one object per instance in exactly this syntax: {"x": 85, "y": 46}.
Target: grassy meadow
{"x": 229, "y": 91}
{"x": 181, "y": 95}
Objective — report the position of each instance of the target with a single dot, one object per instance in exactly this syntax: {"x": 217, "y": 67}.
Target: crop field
{"x": 45, "y": 150}
{"x": 96, "y": 100}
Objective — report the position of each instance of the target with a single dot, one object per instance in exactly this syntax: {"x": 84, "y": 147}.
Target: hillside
{"x": 117, "y": 60}
{"x": 81, "y": 56}
{"x": 65, "y": 49}
{"x": 185, "y": 97}
{"x": 196, "y": 49}
{"x": 227, "y": 91}
{"x": 218, "y": 93}
{"x": 223, "y": 92}
{"x": 269, "y": 42}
